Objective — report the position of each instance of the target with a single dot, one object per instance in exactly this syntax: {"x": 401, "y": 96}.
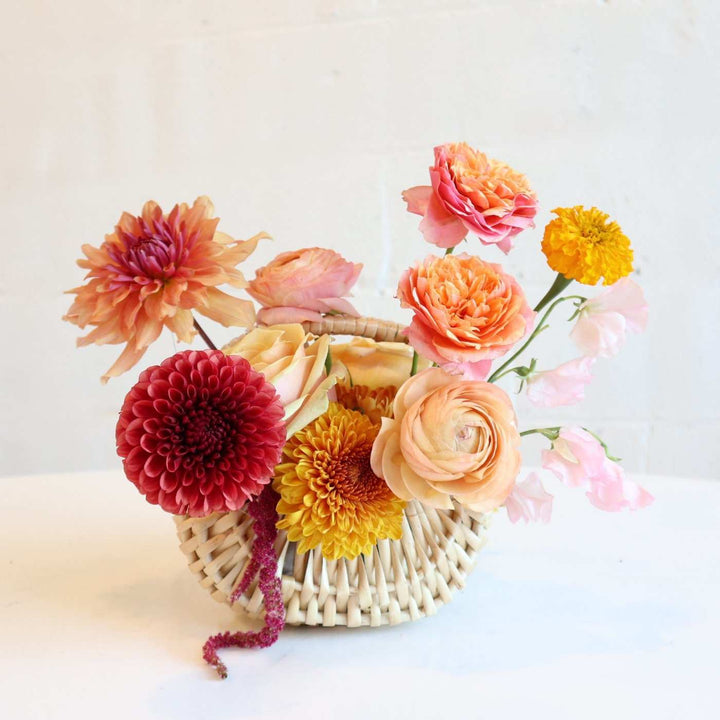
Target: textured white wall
{"x": 307, "y": 119}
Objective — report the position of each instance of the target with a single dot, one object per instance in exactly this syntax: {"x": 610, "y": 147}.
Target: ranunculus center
{"x": 467, "y": 438}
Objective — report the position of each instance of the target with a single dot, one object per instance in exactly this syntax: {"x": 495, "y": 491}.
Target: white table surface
{"x": 593, "y": 616}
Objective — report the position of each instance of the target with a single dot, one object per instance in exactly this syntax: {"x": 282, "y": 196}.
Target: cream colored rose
{"x": 373, "y": 364}
{"x": 294, "y": 364}
{"x": 449, "y": 438}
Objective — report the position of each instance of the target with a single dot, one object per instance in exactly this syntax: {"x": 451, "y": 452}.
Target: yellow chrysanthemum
{"x": 585, "y": 245}
{"x": 376, "y": 403}
{"x": 329, "y": 495}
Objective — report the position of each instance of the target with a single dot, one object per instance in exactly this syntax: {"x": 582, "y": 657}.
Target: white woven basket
{"x": 401, "y": 580}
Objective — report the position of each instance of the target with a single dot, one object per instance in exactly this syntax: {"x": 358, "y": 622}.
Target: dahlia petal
{"x": 128, "y": 357}
{"x": 227, "y": 310}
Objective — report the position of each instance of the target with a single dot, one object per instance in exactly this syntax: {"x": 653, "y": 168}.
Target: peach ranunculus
{"x": 449, "y": 438}
{"x": 304, "y": 285}
{"x": 373, "y": 364}
{"x": 471, "y": 193}
{"x": 294, "y": 364}
{"x": 152, "y": 271}
{"x": 467, "y": 312}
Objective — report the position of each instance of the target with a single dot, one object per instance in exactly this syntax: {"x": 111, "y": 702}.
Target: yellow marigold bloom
{"x": 329, "y": 495}
{"x": 376, "y": 403}
{"x": 585, "y": 245}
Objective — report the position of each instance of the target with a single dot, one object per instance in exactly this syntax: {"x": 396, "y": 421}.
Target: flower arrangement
{"x": 331, "y": 443}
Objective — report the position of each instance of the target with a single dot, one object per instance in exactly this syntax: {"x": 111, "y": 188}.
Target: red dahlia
{"x": 200, "y": 433}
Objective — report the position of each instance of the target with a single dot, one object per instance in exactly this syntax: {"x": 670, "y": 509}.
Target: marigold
{"x": 376, "y": 403}
{"x": 329, "y": 495}
{"x": 584, "y": 245}
{"x": 151, "y": 272}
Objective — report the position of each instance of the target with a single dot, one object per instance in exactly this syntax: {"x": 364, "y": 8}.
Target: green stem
{"x": 540, "y": 327}
{"x": 551, "y": 433}
{"x": 558, "y": 286}
{"x": 328, "y": 362}
{"x": 449, "y": 251}
{"x": 415, "y": 360}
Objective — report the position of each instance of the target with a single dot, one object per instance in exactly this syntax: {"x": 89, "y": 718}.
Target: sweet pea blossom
{"x": 529, "y": 501}
{"x": 604, "y": 320}
{"x": 578, "y": 459}
{"x": 565, "y": 385}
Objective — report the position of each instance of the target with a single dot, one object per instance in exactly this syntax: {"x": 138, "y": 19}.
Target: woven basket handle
{"x": 373, "y": 328}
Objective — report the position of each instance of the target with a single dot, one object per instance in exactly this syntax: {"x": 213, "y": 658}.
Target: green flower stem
{"x": 558, "y": 286}
{"x": 328, "y": 362}
{"x": 540, "y": 327}
{"x": 415, "y": 360}
{"x": 551, "y": 433}
{"x": 449, "y": 251}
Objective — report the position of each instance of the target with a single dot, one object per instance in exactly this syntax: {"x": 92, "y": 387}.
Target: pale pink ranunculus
{"x": 472, "y": 193}
{"x": 304, "y": 285}
{"x": 604, "y": 320}
{"x": 449, "y": 438}
{"x": 466, "y": 312}
{"x": 578, "y": 459}
{"x": 294, "y": 363}
{"x": 565, "y": 385}
{"x": 529, "y": 501}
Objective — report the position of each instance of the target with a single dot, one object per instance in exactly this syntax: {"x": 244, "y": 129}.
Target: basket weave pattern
{"x": 401, "y": 580}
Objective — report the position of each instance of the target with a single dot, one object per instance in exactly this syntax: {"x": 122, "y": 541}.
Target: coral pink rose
{"x": 304, "y": 285}
{"x": 294, "y": 365}
{"x": 604, "y": 320}
{"x": 578, "y": 459}
{"x": 449, "y": 438}
{"x": 471, "y": 193}
{"x": 565, "y": 385}
{"x": 529, "y": 501}
{"x": 467, "y": 312}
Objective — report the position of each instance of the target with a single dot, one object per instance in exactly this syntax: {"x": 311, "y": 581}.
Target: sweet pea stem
{"x": 540, "y": 327}
{"x": 203, "y": 335}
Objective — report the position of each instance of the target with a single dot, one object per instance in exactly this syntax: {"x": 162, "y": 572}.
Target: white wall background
{"x": 307, "y": 119}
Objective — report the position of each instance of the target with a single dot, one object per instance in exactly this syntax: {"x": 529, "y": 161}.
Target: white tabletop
{"x": 593, "y": 616}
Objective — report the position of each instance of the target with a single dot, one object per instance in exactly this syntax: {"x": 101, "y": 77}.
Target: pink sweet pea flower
{"x": 529, "y": 501}
{"x": 578, "y": 459}
{"x": 604, "y": 320}
{"x": 304, "y": 285}
{"x": 565, "y": 385}
{"x": 472, "y": 193}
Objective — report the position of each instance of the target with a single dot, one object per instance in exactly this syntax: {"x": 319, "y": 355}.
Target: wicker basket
{"x": 401, "y": 580}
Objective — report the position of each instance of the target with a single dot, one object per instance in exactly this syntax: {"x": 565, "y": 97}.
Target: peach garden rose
{"x": 304, "y": 285}
{"x": 466, "y": 312}
{"x": 449, "y": 438}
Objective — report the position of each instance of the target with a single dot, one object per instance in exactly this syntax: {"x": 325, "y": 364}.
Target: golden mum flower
{"x": 585, "y": 245}
{"x": 329, "y": 495}
{"x": 376, "y": 403}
